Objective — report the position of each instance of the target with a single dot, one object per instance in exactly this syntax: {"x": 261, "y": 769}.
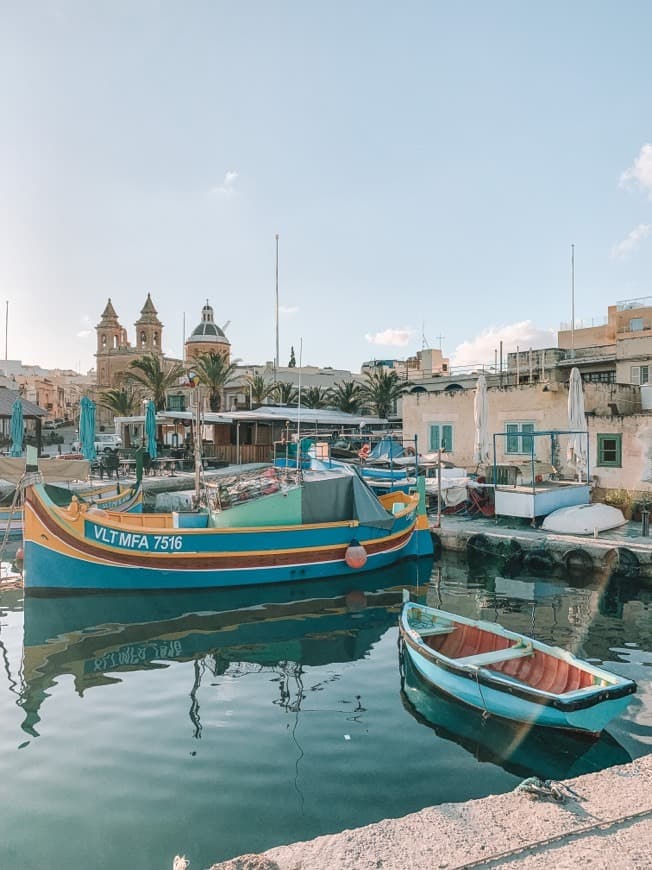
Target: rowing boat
{"x": 507, "y": 674}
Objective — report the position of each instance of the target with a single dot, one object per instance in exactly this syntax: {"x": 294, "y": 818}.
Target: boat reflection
{"x": 99, "y": 639}
{"x": 519, "y": 749}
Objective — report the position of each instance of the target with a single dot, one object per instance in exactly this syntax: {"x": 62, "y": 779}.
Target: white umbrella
{"x": 481, "y": 416}
{"x": 576, "y": 422}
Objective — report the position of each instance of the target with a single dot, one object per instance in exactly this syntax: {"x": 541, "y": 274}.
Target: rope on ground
{"x": 603, "y": 825}
{"x": 535, "y": 788}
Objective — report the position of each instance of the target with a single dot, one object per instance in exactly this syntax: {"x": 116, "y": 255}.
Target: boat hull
{"x": 89, "y": 553}
{"x": 483, "y": 698}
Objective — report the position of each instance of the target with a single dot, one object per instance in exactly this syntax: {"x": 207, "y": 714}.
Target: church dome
{"x": 207, "y": 332}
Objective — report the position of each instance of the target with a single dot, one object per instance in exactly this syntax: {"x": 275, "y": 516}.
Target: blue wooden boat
{"x": 326, "y": 525}
{"x": 507, "y": 674}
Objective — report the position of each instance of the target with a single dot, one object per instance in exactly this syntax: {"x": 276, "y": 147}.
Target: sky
{"x": 427, "y": 166}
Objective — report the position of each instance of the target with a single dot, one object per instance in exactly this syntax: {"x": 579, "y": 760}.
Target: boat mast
{"x": 276, "y": 358}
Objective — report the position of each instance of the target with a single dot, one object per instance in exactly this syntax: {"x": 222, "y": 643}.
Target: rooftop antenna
{"x": 440, "y": 338}
{"x": 183, "y": 337}
{"x": 424, "y": 340}
{"x": 7, "y": 330}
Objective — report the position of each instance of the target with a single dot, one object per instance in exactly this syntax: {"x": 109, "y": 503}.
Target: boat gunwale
{"x": 579, "y": 699}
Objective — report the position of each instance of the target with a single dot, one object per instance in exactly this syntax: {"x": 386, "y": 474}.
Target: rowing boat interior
{"x": 537, "y": 669}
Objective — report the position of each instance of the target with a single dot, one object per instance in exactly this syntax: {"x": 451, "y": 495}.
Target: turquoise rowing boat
{"x": 503, "y": 673}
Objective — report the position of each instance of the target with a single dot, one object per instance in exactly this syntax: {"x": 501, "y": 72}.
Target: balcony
{"x": 635, "y": 326}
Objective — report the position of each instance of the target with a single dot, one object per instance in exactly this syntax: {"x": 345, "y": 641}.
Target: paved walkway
{"x": 605, "y": 822}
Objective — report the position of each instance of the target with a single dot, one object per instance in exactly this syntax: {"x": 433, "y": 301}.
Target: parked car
{"x": 103, "y": 441}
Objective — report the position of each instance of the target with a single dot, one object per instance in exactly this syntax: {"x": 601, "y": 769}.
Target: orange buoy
{"x": 364, "y": 452}
{"x": 356, "y": 555}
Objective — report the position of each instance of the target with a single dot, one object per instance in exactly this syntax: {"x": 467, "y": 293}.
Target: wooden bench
{"x": 429, "y": 629}
{"x": 498, "y": 655}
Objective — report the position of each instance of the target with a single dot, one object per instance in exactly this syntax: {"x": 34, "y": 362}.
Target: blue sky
{"x": 427, "y": 166}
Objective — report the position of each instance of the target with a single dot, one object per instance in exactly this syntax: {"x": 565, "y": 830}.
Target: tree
{"x": 293, "y": 362}
{"x": 381, "y": 390}
{"x": 286, "y": 393}
{"x": 259, "y": 389}
{"x": 122, "y": 401}
{"x": 315, "y": 397}
{"x": 346, "y": 396}
{"x": 216, "y": 373}
{"x": 156, "y": 380}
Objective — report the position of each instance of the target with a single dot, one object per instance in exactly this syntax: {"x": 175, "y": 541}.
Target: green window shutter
{"x": 447, "y": 438}
{"x": 434, "y": 437}
{"x": 527, "y": 440}
{"x": 511, "y": 442}
{"x": 610, "y": 450}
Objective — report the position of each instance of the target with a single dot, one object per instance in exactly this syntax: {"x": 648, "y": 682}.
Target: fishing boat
{"x": 325, "y": 524}
{"x": 584, "y": 519}
{"x": 507, "y": 674}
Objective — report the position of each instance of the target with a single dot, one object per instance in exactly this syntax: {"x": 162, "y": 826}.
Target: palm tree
{"x": 381, "y": 390}
{"x": 123, "y": 401}
{"x": 286, "y": 393}
{"x": 157, "y": 380}
{"x": 259, "y": 389}
{"x": 216, "y": 373}
{"x": 346, "y": 397}
{"x": 315, "y": 397}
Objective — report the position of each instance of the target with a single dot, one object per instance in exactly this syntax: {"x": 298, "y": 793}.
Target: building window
{"x": 610, "y": 450}
{"x": 636, "y": 324}
{"x": 441, "y": 436}
{"x": 519, "y": 439}
{"x": 176, "y": 403}
{"x": 599, "y": 377}
{"x": 640, "y": 374}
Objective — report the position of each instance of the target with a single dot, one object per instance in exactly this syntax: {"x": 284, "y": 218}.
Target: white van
{"x": 103, "y": 441}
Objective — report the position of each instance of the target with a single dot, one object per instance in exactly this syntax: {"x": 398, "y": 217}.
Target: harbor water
{"x": 134, "y": 728}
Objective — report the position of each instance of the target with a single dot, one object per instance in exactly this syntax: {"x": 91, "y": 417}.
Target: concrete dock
{"x": 625, "y": 548}
{"x": 604, "y": 821}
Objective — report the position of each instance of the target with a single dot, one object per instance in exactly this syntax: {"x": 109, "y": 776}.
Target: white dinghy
{"x": 583, "y": 519}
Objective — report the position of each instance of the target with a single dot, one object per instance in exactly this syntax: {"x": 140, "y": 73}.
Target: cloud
{"x": 391, "y": 337}
{"x": 629, "y": 244}
{"x": 227, "y": 187}
{"x": 480, "y": 350}
{"x": 84, "y": 333}
{"x": 640, "y": 172}
{"x": 288, "y": 309}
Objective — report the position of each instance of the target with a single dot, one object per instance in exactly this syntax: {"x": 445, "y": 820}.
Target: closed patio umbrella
{"x": 481, "y": 418}
{"x": 150, "y": 429}
{"x": 17, "y": 428}
{"x": 87, "y": 428}
{"x": 577, "y": 452}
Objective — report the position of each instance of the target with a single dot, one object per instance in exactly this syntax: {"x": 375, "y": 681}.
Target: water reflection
{"x": 517, "y": 748}
{"x": 99, "y": 639}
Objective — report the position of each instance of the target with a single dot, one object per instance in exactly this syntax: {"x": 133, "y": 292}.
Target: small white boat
{"x": 583, "y": 519}
{"x": 506, "y": 674}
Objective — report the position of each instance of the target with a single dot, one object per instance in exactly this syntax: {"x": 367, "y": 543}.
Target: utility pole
{"x": 276, "y": 358}
{"x": 572, "y": 300}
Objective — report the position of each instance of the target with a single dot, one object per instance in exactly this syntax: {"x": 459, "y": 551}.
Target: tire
{"x": 479, "y": 548}
{"x": 539, "y": 561}
{"x": 510, "y": 554}
{"x": 627, "y": 565}
{"x": 578, "y": 562}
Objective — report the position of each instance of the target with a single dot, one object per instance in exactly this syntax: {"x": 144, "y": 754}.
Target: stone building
{"x": 115, "y": 352}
